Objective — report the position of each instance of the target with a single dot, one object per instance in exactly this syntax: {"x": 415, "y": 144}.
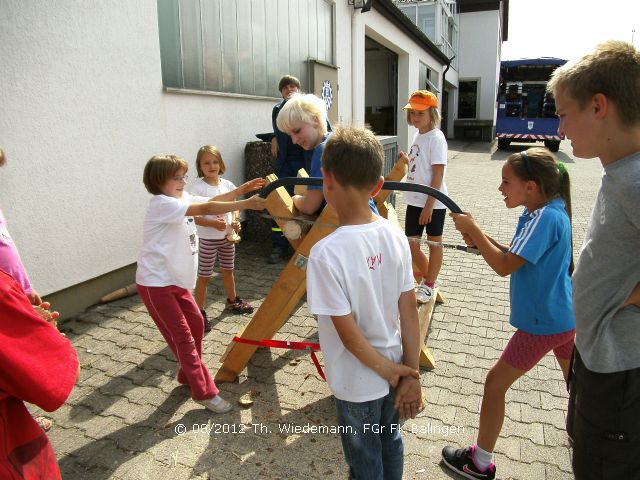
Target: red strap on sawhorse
{"x": 312, "y": 347}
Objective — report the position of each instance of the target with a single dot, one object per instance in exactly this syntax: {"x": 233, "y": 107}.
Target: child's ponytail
{"x": 565, "y": 193}
{"x": 565, "y": 187}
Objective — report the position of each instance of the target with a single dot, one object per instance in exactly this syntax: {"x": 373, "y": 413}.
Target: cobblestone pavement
{"x": 125, "y": 417}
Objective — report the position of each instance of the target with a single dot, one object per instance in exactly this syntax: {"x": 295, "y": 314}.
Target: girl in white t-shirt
{"x": 218, "y": 234}
{"x": 167, "y": 269}
{"x": 427, "y": 160}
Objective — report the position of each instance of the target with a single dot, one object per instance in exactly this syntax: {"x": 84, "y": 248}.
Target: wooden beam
{"x": 291, "y": 285}
{"x": 425, "y": 311}
{"x": 396, "y": 174}
{"x": 282, "y": 299}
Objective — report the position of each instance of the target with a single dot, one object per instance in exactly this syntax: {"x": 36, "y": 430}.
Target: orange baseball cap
{"x": 421, "y": 100}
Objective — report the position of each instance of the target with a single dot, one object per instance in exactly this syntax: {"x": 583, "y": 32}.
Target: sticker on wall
{"x": 327, "y": 94}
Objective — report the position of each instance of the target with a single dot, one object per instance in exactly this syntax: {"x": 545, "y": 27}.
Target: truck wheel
{"x": 503, "y": 143}
{"x": 553, "y": 145}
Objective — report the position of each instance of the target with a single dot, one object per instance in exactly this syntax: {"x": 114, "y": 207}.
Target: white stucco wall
{"x": 82, "y": 111}
{"x": 479, "y": 57}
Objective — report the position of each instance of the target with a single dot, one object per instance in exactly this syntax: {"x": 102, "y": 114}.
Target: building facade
{"x": 470, "y": 32}
{"x": 90, "y": 91}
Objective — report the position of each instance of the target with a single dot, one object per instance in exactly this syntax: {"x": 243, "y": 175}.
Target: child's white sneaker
{"x": 216, "y": 404}
{"x": 424, "y": 293}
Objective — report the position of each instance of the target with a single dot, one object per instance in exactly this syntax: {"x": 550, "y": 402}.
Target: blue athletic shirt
{"x": 314, "y": 171}
{"x": 540, "y": 290}
{"x": 316, "y": 162}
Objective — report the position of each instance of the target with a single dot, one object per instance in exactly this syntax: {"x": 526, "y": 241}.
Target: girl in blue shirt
{"x": 539, "y": 260}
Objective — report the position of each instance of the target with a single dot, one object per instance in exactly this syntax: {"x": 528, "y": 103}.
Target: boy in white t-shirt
{"x": 360, "y": 284}
{"x": 167, "y": 269}
{"x": 427, "y": 160}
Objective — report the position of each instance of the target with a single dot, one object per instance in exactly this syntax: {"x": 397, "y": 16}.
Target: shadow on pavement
{"x": 105, "y": 455}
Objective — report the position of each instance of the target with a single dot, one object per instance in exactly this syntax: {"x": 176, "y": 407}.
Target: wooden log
{"x": 120, "y": 293}
{"x": 282, "y": 299}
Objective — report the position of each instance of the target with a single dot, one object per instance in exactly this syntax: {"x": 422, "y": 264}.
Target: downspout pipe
{"x": 446, "y": 70}
{"x": 354, "y": 68}
{"x": 443, "y": 87}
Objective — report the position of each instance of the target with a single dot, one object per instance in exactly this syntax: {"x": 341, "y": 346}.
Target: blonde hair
{"x": 303, "y": 108}
{"x": 159, "y": 169}
{"x": 434, "y": 117}
{"x": 354, "y": 156}
{"x": 612, "y": 69}
{"x": 213, "y": 151}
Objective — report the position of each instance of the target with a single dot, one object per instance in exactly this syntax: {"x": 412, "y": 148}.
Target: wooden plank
{"x": 425, "y": 311}
{"x": 282, "y": 299}
{"x": 396, "y": 174}
{"x": 291, "y": 286}
{"x": 426, "y": 358}
{"x": 301, "y": 189}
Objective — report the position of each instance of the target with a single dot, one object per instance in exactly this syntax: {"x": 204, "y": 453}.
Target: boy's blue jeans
{"x": 371, "y": 438}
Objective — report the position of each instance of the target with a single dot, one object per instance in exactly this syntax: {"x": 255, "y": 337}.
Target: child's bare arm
{"x": 437, "y": 178}
{"x": 310, "y": 202}
{"x": 409, "y": 329}
{"x": 497, "y": 257}
{"x": 408, "y": 399}
{"x": 216, "y": 208}
{"x": 246, "y": 187}
{"x": 467, "y": 239}
{"x": 217, "y": 223}
{"x": 498, "y": 245}
{"x": 359, "y": 346}
{"x": 436, "y": 182}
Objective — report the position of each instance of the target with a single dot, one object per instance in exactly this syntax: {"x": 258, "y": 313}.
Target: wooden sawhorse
{"x": 291, "y": 285}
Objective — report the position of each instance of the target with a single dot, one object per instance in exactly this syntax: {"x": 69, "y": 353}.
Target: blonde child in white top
{"x": 218, "y": 233}
{"x": 427, "y": 160}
